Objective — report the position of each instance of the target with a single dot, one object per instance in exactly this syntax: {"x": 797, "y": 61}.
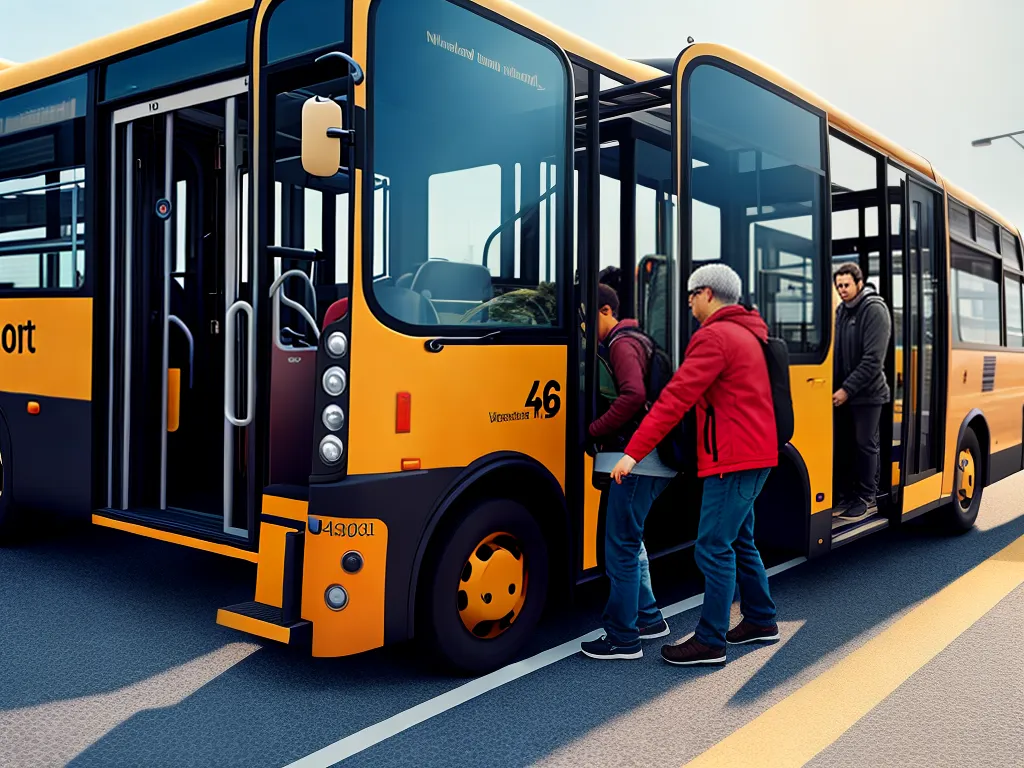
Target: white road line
{"x": 385, "y": 729}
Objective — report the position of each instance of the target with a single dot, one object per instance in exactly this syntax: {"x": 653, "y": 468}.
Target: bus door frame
{"x": 917, "y": 190}
{"x": 122, "y": 290}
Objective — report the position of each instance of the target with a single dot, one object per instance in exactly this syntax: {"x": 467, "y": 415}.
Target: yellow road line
{"x": 811, "y": 718}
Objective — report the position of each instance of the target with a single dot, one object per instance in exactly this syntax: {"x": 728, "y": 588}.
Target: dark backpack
{"x": 776, "y": 355}
{"x": 678, "y": 449}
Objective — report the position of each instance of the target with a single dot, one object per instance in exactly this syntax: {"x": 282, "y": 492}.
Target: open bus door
{"x": 183, "y": 385}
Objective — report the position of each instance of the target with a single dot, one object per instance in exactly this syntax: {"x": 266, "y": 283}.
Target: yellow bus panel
{"x": 46, "y": 347}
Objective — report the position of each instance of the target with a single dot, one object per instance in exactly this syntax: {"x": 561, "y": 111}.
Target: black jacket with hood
{"x": 863, "y": 328}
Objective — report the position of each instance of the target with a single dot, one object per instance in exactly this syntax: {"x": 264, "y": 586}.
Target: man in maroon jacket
{"x": 725, "y": 375}
{"x": 631, "y": 614}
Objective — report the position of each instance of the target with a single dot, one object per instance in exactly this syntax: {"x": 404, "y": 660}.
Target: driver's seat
{"x": 453, "y": 287}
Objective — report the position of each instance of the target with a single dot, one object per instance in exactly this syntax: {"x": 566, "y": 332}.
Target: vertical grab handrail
{"x": 176, "y": 321}
{"x": 230, "y": 349}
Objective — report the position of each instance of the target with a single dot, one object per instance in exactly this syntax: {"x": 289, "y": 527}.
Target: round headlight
{"x": 336, "y": 597}
{"x": 334, "y": 381}
{"x": 337, "y": 344}
{"x": 334, "y": 418}
{"x": 331, "y": 450}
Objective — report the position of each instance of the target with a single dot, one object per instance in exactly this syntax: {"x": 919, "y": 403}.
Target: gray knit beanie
{"x": 721, "y": 279}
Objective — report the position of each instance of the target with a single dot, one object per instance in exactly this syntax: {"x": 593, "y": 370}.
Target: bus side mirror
{"x": 322, "y": 130}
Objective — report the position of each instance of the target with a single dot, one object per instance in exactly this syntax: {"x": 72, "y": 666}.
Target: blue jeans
{"x": 631, "y": 603}
{"x": 725, "y": 554}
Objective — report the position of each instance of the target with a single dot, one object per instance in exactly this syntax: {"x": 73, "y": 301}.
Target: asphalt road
{"x": 110, "y": 656}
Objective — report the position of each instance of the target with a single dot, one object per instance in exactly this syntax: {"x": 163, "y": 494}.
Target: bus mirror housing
{"x": 322, "y": 132}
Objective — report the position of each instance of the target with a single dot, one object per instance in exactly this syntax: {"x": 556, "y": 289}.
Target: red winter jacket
{"x": 725, "y": 374}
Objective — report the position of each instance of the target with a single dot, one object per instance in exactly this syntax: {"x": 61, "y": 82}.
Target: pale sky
{"x": 930, "y": 74}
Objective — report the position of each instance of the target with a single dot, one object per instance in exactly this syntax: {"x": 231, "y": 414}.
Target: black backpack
{"x": 776, "y": 355}
{"x": 678, "y": 449}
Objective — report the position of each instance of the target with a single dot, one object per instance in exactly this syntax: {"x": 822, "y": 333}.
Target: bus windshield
{"x": 469, "y": 149}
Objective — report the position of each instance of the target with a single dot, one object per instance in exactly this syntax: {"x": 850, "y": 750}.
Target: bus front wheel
{"x": 962, "y": 511}
{"x": 486, "y": 587}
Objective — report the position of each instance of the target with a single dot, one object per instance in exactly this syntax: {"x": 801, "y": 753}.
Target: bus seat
{"x": 335, "y": 312}
{"x": 406, "y": 306}
{"x": 405, "y": 281}
{"x": 453, "y": 287}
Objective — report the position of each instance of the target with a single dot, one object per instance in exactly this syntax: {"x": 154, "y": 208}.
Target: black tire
{"x": 962, "y": 511}
{"x": 440, "y": 617}
{"x": 8, "y": 528}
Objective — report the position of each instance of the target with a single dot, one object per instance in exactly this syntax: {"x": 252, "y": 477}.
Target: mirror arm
{"x": 353, "y": 65}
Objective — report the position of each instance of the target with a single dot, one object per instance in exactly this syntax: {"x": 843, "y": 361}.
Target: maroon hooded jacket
{"x": 725, "y": 375}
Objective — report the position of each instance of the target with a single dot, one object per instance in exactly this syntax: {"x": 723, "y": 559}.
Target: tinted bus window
{"x": 205, "y": 54}
{"x": 757, "y": 188}
{"x": 975, "y": 297}
{"x": 42, "y": 187}
{"x": 302, "y": 26}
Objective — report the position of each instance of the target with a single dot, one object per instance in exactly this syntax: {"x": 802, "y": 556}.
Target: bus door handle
{"x": 816, "y": 382}
{"x": 230, "y": 350}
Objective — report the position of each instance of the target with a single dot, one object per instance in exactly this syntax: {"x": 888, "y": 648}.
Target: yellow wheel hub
{"x": 492, "y": 588}
{"x": 965, "y": 488}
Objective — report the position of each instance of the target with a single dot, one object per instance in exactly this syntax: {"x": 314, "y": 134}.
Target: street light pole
{"x": 987, "y": 141}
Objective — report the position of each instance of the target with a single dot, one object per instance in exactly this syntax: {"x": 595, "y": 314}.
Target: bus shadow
{"x": 87, "y": 610}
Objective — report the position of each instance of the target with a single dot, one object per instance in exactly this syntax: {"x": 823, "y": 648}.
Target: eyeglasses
{"x": 695, "y": 291}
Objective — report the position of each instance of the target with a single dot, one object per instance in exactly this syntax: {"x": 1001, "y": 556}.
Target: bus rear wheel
{"x": 962, "y": 511}
{"x": 486, "y": 587}
{"x": 7, "y": 511}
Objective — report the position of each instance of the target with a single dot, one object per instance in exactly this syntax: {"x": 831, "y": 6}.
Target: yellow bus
{"x": 311, "y": 284}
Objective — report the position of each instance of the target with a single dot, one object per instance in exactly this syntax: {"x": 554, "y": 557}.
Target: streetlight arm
{"x": 989, "y": 139}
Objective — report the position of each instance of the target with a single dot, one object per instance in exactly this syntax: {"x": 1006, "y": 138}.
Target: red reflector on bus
{"x": 33, "y": 407}
{"x": 408, "y": 465}
{"x": 403, "y": 413}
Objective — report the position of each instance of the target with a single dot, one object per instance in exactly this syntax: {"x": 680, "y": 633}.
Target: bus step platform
{"x": 266, "y": 621}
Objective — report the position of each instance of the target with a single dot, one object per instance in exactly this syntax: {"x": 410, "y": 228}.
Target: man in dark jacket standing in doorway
{"x": 863, "y": 328}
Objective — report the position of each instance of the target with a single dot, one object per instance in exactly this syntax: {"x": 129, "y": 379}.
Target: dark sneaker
{"x": 692, "y": 652}
{"x": 745, "y": 632}
{"x": 603, "y": 649}
{"x": 659, "y": 629}
{"x": 858, "y": 510}
{"x": 841, "y": 505}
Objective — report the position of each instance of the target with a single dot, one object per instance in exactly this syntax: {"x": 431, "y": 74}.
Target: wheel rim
{"x": 965, "y": 486}
{"x": 492, "y": 587}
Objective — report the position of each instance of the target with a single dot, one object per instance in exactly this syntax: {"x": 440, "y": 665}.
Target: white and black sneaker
{"x": 604, "y": 649}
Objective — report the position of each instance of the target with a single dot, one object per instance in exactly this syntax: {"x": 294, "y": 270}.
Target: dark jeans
{"x": 856, "y": 447}
{"x": 631, "y": 603}
{"x": 726, "y": 554}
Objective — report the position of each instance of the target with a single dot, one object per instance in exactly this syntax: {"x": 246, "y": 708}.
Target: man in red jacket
{"x": 632, "y": 613}
{"x": 725, "y": 375}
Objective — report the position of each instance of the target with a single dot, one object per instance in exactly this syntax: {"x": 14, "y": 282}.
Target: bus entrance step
{"x": 266, "y": 621}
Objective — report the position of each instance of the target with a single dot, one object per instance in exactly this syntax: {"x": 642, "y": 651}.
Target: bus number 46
{"x": 551, "y": 402}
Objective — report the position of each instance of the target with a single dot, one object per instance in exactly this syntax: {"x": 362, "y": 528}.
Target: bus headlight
{"x": 334, "y": 381}
{"x": 336, "y": 597}
{"x": 331, "y": 450}
{"x": 337, "y": 344}
{"x": 334, "y": 417}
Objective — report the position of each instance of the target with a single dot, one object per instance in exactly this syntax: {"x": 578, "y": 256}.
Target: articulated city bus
{"x": 311, "y": 284}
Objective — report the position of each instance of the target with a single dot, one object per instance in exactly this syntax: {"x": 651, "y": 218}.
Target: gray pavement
{"x": 965, "y": 708}
{"x": 110, "y": 656}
